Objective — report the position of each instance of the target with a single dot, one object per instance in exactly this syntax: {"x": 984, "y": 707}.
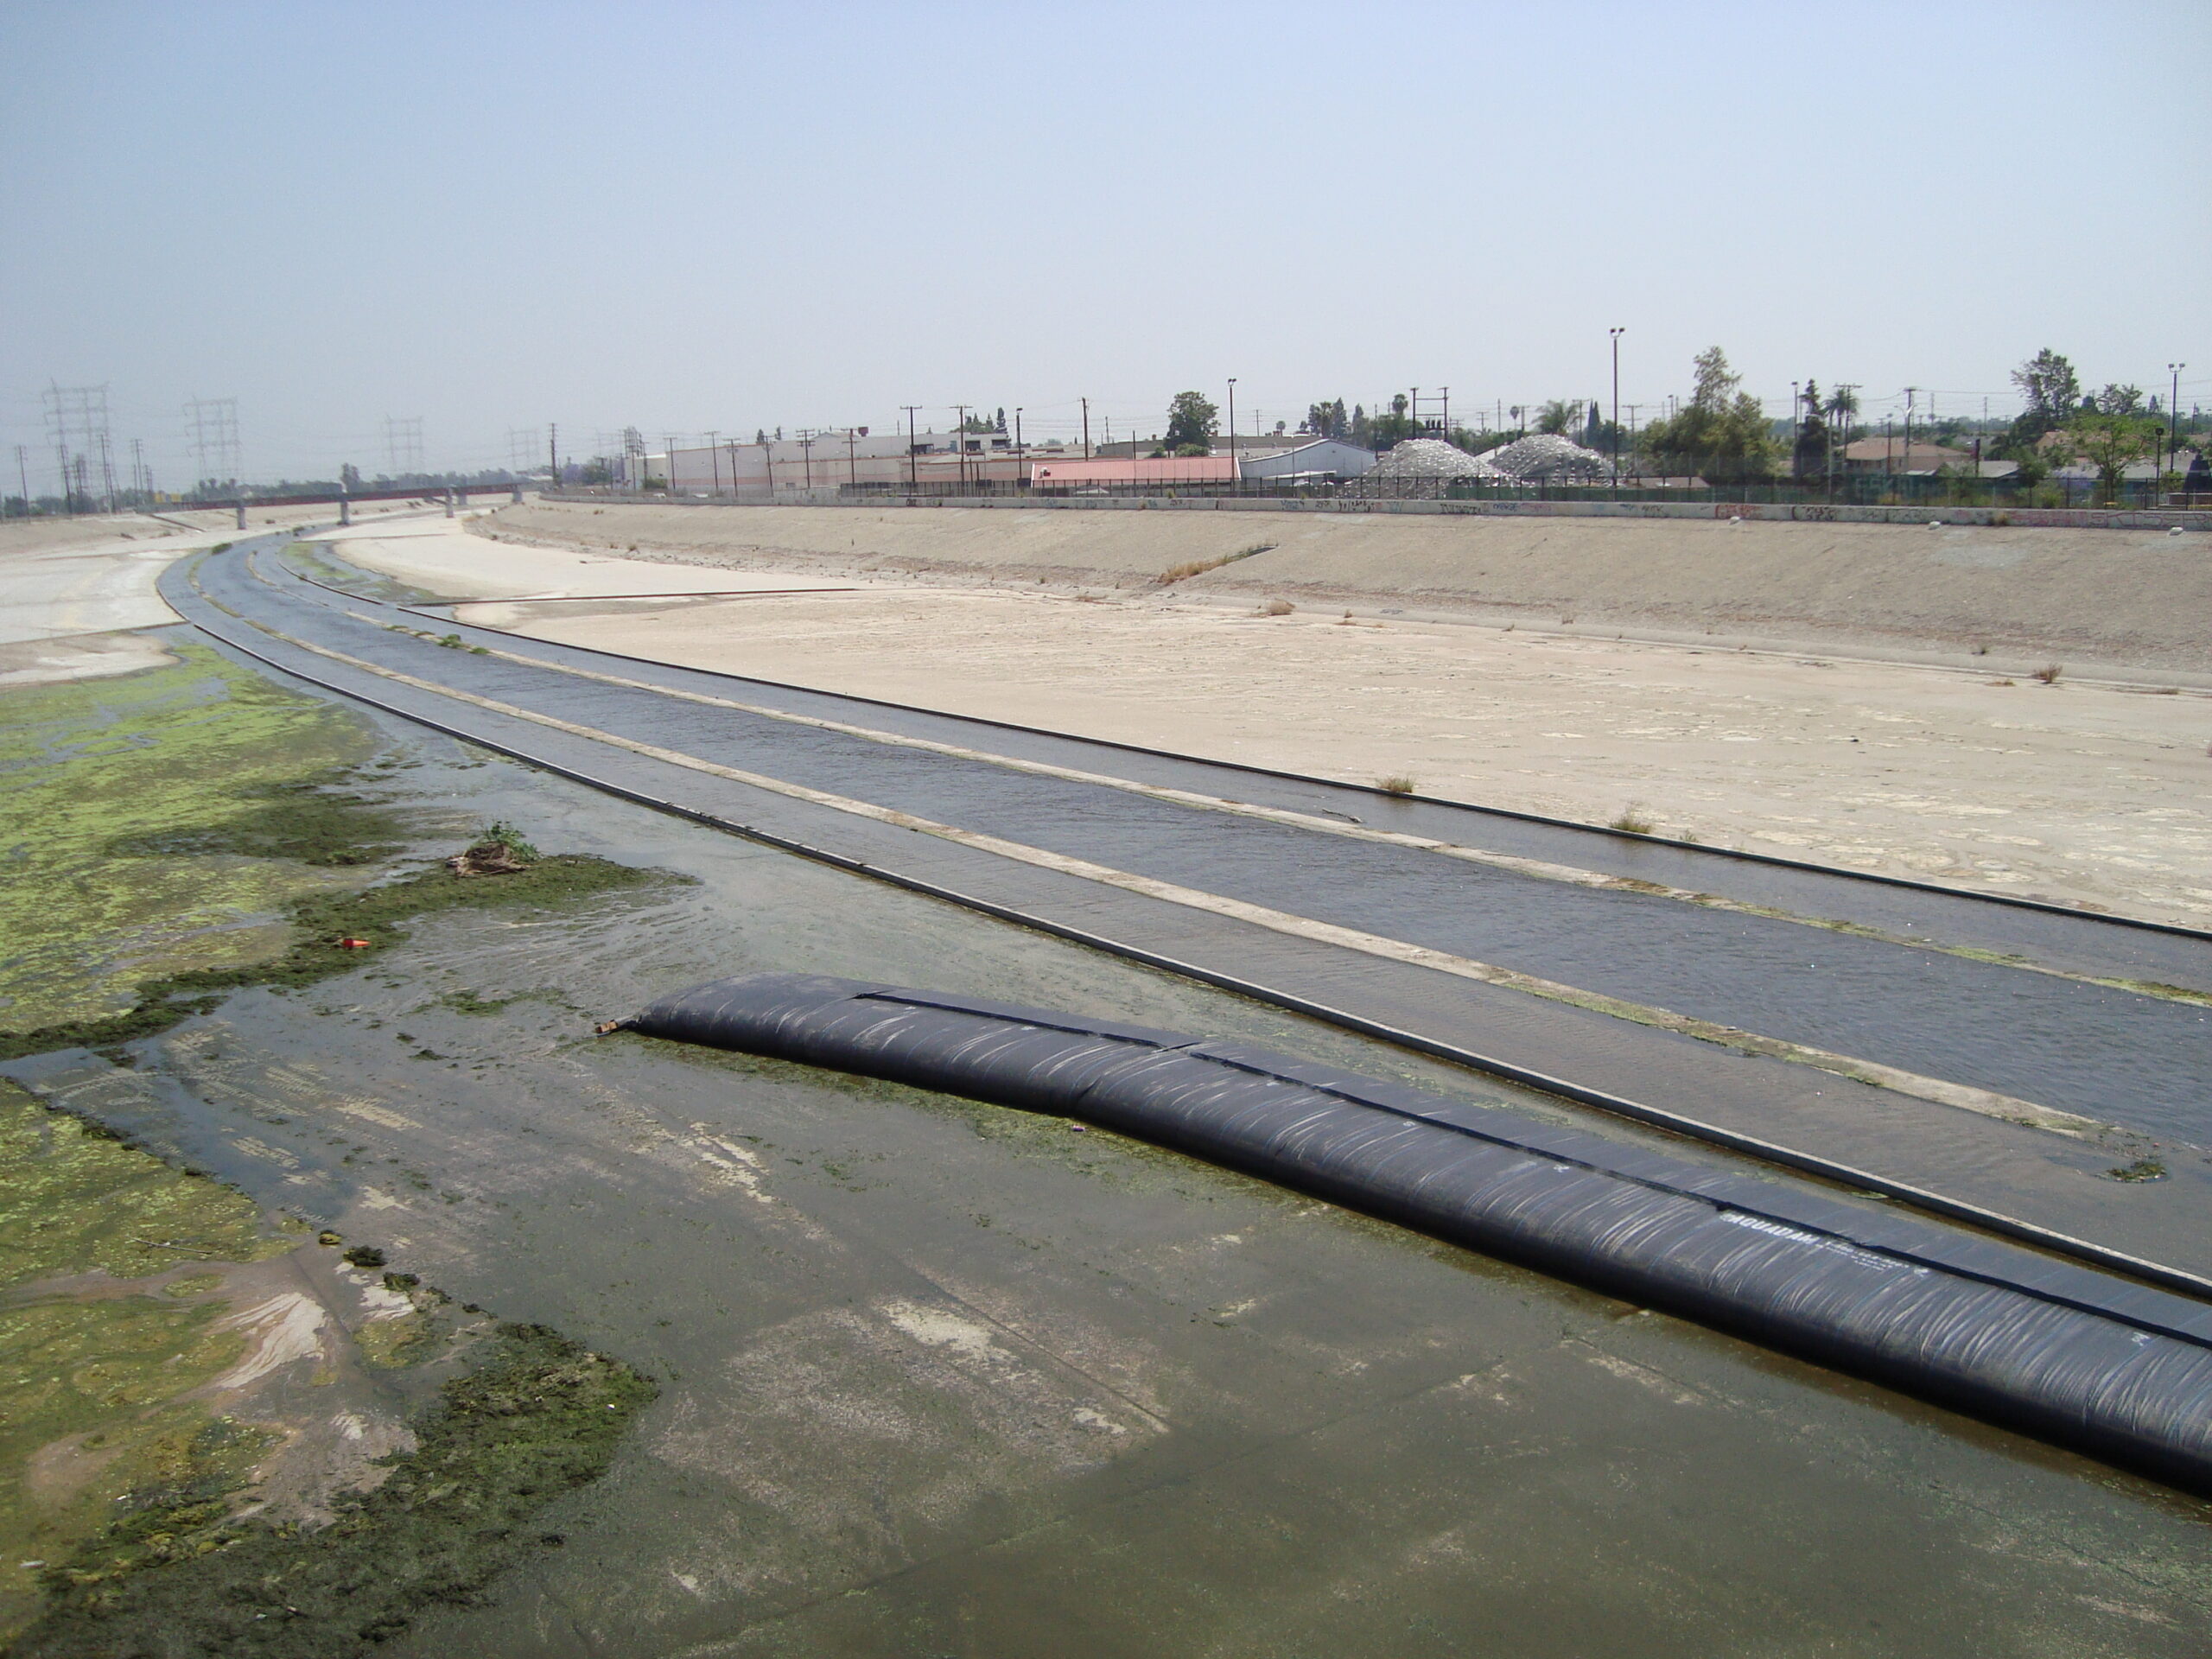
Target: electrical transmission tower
{"x": 524, "y": 444}
{"x": 403, "y": 445}
{"x": 215, "y": 448}
{"x": 76, "y": 425}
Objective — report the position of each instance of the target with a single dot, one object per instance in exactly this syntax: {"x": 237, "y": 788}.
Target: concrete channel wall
{"x": 2104, "y": 596}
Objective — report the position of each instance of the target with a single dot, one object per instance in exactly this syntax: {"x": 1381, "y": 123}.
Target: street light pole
{"x": 2173, "y": 417}
{"x": 914, "y": 479}
{"x": 1616, "y": 334}
{"x": 1018, "y": 475}
{"x": 1232, "y": 429}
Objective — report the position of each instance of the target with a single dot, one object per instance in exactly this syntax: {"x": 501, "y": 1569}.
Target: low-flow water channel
{"x": 939, "y": 1377}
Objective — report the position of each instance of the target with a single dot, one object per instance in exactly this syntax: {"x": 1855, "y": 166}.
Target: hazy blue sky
{"x": 694, "y": 217}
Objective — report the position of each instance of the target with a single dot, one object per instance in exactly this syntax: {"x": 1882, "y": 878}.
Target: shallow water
{"x": 944, "y": 1378}
{"x": 2107, "y": 1054}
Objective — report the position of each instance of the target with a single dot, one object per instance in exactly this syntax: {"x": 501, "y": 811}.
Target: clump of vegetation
{"x": 1398, "y": 783}
{"x": 1633, "y": 822}
{"x": 499, "y": 850}
{"x": 373, "y": 921}
{"x": 451, "y": 641}
{"x": 2047, "y": 673}
{"x": 1277, "y": 607}
{"x": 537, "y": 1416}
{"x": 2143, "y": 1169}
{"x": 1176, "y": 573}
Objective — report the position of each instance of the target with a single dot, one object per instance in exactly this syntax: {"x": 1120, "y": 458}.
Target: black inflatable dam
{"x": 2118, "y": 1370}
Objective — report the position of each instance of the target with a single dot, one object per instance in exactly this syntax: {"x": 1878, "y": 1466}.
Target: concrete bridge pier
{"x": 241, "y": 515}
{"x": 345, "y": 510}
{"x": 449, "y": 502}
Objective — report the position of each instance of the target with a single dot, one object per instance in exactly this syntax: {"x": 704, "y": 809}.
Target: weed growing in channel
{"x": 1176, "y": 573}
{"x": 2048, "y": 673}
{"x": 1633, "y": 822}
{"x": 1398, "y": 783}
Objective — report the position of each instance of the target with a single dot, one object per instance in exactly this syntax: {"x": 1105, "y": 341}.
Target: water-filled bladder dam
{"x": 2116, "y": 1369}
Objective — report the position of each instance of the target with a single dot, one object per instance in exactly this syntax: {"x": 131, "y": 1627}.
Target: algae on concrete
{"x": 95, "y": 1360}
{"x": 169, "y": 836}
{"x": 152, "y": 822}
{"x": 536, "y": 1417}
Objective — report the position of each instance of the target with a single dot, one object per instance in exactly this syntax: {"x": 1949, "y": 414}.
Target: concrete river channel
{"x": 940, "y": 1376}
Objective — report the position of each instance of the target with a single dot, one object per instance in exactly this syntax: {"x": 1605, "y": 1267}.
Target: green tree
{"x": 2112, "y": 443}
{"x": 1808, "y": 452}
{"x": 1555, "y": 417}
{"x": 1384, "y": 431}
{"x": 2119, "y": 400}
{"x": 1193, "y": 421}
{"x": 2052, "y": 390}
{"x": 1842, "y": 411}
{"x": 1328, "y": 420}
{"x": 1722, "y": 436}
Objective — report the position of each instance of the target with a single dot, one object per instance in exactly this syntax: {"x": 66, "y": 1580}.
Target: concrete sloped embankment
{"x": 2096, "y": 599}
{"x": 2119, "y": 1372}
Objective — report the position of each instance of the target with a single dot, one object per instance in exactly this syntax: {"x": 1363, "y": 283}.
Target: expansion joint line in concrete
{"x": 1988, "y": 1103}
{"x": 2156, "y": 1273}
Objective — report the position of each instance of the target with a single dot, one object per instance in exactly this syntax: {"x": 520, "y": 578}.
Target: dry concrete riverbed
{"x": 941, "y": 1378}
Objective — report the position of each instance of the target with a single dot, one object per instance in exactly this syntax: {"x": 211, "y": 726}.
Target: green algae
{"x": 153, "y": 820}
{"x": 311, "y": 820}
{"x": 318, "y": 562}
{"x": 90, "y": 1382}
{"x": 536, "y": 1416}
{"x": 374, "y": 920}
{"x": 73, "y": 1199}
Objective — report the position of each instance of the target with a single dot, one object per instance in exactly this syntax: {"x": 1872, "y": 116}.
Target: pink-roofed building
{"x": 1121, "y": 471}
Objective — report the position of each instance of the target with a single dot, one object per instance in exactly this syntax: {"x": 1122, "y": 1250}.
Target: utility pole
{"x": 1232, "y": 432}
{"x": 1086, "y": 429}
{"x": 914, "y": 479}
{"x": 1616, "y": 334}
{"x": 852, "y": 457}
{"x": 2173, "y": 421}
{"x": 1909, "y": 393}
{"x": 23, "y": 474}
{"x": 960, "y": 441}
{"x": 1019, "y": 476}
